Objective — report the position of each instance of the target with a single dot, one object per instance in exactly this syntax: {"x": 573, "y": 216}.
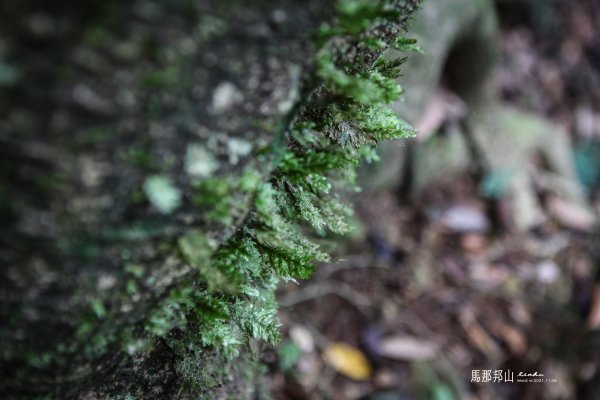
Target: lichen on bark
{"x": 159, "y": 160}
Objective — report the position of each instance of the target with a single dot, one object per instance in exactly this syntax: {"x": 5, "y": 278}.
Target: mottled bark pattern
{"x": 95, "y": 98}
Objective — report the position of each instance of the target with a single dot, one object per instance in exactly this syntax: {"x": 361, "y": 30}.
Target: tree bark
{"x": 110, "y": 112}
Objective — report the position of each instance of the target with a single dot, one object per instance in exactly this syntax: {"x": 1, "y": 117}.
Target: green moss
{"x": 215, "y": 194}
{"x": 355, "y": 16}
{"x": 368, "y": 88}
{"x": 224, "y": 298}
{"x": 406, "y": 45}
{"x": 197, "y": 375}
{"x": 236, "y": 301}
{"x": 196, "y": 251}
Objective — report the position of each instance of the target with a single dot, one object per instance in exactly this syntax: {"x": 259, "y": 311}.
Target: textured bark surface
{"x": 102, "y": 102}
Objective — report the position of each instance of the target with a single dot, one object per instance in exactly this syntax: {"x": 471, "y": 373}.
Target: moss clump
{"x": 233, "y": 302}
{"x": 338, "y": 127}
{"x": 182, "y": 274}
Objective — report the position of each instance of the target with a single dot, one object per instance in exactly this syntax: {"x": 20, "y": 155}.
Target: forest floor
{"x": 444, "y": 290}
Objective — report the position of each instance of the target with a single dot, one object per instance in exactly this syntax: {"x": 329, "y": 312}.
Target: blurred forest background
{"x": 449, "y": 277}
{"x": 129, "y": 268}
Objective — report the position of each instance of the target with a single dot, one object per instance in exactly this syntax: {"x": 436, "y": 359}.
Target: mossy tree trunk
{"x": 148, "y": 150}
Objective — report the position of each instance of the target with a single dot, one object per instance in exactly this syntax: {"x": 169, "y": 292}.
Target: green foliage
{"x": 197, "y": 374}
{"x": 368, "y": 88}
{"x": 235, "y": 302}
{"x": 196, "y": 251}
{"x": 389, "y": 68}
{"x": 216, "y": 196}
{"x": 356, "y": 16}
{"x": 406, "y": 45}
{"x": 225, "y": 296}
{"x": 284, "y": 248}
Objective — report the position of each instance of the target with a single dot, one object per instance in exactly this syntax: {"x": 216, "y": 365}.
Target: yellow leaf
{"x": 348, "y": 361}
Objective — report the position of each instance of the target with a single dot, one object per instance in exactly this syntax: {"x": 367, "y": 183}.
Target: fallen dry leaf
{"x": 512, "y": 335}
{"x": 386, "y": 378}
{"x": 593, "y": 321}
{"x": 407, "y": 348}
{"x": 348, "y": 361}
{"x": 479, "y": 336}
{"x": 473, "y": 242}
{"x": 571, "y": 215}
